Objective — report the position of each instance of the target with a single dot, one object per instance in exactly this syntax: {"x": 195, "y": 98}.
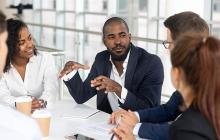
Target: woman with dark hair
{"x": 27, "y": 72}
{"x": 195, "y": 73}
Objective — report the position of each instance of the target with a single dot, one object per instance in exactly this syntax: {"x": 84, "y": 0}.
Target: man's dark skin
{"x": 117, "y": 39}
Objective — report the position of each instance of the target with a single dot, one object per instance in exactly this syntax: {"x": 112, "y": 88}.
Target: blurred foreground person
{"x": 13, "y": 124}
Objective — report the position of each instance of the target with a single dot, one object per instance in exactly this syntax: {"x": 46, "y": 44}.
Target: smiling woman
{"x": 27, "y": 72}
{"x": 19, "y": 43}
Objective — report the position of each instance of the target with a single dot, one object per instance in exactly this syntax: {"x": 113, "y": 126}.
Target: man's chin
{"x": 118, "y": 57}
{"x": 119, "y": 54}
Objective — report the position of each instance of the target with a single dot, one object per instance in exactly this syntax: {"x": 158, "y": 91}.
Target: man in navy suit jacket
{"x": 123, "y": 76}
{"x": 154, "y": 120}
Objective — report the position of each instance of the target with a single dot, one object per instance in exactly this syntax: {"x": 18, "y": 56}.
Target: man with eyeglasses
{"x": 166, "y": 44}
{"x": 152, "y": 123}
{"x": 123, "y": 76}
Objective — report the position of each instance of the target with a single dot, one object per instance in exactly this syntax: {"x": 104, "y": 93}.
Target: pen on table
{"x": 117, "y": 124}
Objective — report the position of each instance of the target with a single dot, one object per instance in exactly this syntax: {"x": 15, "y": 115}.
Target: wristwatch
{"x": 45, "y": 104}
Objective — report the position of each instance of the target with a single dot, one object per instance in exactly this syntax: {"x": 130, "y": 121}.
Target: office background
{"x": 71, "y": 29}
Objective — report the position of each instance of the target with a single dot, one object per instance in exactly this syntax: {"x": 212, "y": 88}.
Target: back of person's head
{"x": 114, "y": 19}
{"x": 3, "y": 46}
{"x": 186, "y": 22}
{"x": 199, "y": 59}
{"x": 2, "y": 22}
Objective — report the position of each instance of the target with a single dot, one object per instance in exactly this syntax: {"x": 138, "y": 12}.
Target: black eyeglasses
{"x": 166, "y": 44}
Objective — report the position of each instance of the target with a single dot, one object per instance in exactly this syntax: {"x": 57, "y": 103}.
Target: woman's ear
{"x": 176, "y": 77}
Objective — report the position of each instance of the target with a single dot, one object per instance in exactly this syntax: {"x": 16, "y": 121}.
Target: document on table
{"x": 98, "y": 131}
{"x": 80, "y": 111}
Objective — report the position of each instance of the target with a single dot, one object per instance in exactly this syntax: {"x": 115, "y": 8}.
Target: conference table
{"x": 61, "y": 127}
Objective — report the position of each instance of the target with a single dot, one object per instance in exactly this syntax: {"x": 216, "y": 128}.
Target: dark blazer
{"x": 154, "y": 120}
{"x": 192, "y": 125}
{"x": 143, "y": 80}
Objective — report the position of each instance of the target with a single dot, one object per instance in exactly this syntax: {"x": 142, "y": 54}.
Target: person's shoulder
{"x": 43, "y": 57}
{"x": 190, "y": 116}
{"x": 102, "y": 55}
{"x": 193, "y": 121}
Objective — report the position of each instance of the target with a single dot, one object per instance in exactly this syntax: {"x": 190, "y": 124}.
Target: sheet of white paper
{"x": 80, "y": 111}
{"x": 98, "y": 131}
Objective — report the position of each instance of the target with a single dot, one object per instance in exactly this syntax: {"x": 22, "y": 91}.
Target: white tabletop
{"x": 61, "y": 127}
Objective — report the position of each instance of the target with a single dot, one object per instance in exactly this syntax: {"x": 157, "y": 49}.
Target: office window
{"x": 48, "y": 37}
{"x": 94, "y": 25}
{"x": 96, "y": 6}
{"x": 70, "y": 20}
{"x": 86, "y": 5}
{"x": 143, "y": 6}
{"x": 69, "y": 5}
{"x": 215, "y": 26}
{"x": 122, "y": 5}
{"x": 105, "y": 5}
{"x": 216, "y": 6}
{"x": 49, "y": 4}
{"x": 75, "y": 26}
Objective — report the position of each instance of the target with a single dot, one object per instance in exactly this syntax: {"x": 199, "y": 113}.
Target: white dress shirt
{"x": 16, "y": 126}
{"x": 112, "y": 97}
{"x": 40, "y": 81}
{"x": 137, "y": 126}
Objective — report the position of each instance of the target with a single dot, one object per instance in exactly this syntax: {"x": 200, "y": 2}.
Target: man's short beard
{"x": 121, "y": 57}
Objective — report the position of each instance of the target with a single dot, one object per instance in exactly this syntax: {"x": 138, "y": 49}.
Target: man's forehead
{"x": 114, "y": 26}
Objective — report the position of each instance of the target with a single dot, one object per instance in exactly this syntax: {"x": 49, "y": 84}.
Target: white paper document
{"x": 98, "y": 131}
{"x": 80, "y": 111}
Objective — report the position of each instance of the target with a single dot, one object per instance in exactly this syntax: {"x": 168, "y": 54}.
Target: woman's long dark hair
{"x": 14, "y": 27}
{"x": 2, "y": 22}
{"x": 199, "y": 59}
